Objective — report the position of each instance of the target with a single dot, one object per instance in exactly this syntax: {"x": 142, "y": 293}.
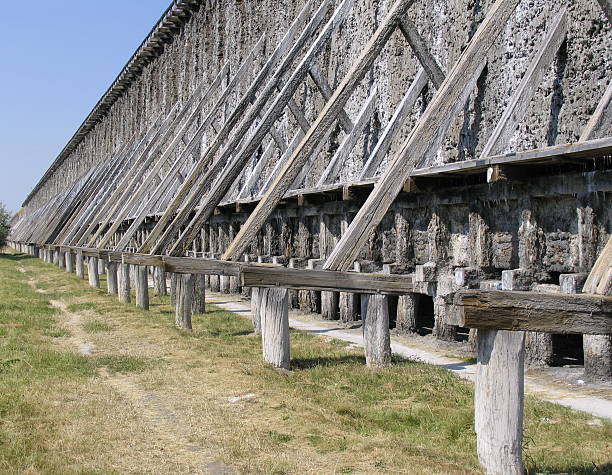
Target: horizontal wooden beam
{"x": 307, "y": 279}
{"x": 530, "y": 311}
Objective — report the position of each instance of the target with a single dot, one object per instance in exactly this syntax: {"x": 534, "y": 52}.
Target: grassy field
{"x": 88, "y": 385}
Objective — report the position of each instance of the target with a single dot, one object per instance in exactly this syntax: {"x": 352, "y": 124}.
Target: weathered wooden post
{"x": 173, "y": 285}
{"x": 406, "y": 319}
{"x": 274, "y": 309}
{"x": 256, "y": 310}
{"x": 294, "y": 295}
{"x": 101, "y": 266}
{"x": 124, "y": 283}
{"x": 80, "y": 268}
{"x": 61, "y": 262}
{"x": 142, "y": 287}
{"x": 246, "y": 291}
{"x": 69, "y": 262}
{"x": 184, "y": 300}
{"x": 214, "y": 280}
{"x": 112, "y": 285}
{"x": 199, "y": 294}
{"x": 92, "y": 271}
{"x": 376, "y": 333}
{"x": 55, "y": 255}
{"x": 498, "y": 402}
{"x": 159, "y": 278}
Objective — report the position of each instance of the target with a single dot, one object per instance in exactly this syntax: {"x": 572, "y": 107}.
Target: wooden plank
{"x": 190, "y": 193}
{"x": 249, "y": 185}
{"x": 519, "y": 102}
{"x": 310, "y": 279}
{"x": 600, "y": 270}
{"x": 323, "y": 86}
{"x": 451, "y": 96}
{"x": 530, "y": 311}
{"x": 399, "y": 116}
{"x": 335, "y": 165}
{"x": 142, "y": 259}
{"x": 579, "y": 150}
{"x": 597, "y": 119}
{"x": 228, "y": 173}
{"x": 317, "y": 132}
{"x": 416, "y": 42}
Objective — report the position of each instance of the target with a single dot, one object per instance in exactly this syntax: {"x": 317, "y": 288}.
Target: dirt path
{"x": 154, "y": 410}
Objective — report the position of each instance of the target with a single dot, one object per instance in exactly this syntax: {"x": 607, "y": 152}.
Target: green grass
{"x": 349, "y": 418}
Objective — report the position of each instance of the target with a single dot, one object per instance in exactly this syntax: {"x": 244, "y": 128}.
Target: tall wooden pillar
{"x": 112, "y": 284}
{"x": 124, "y": 283}
{"x": 499, "y": 399}
{"x": 142, "y": 287}
{"x": 184, "y": 300}
{"x": 80, "y": 268}
{"x": 274, "y": 304}
{"x": 199, "y": 294}
{"x": 69, "y": 262}
{"x": 159, "y": 279}
{"x": 92, "y": 271}
{"x": 376, "y": 333}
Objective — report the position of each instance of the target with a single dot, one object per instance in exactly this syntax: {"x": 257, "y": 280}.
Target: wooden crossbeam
{"x": 416, "y": 42}
{"x": 448, "y": 99}
{"x": 347, "y": 145}
{"x": 600, "y": 117}
{"x": 307, "y": 279}
{"x": 399, "y": 116}
{"x": 142, "y": 188}
{"x": 278, "y": 62}
{"x": 531, "y": 311}
{"x": 519, "y": 102}
{"x": 317, "y": 132}
{"x": 226, "y": 174}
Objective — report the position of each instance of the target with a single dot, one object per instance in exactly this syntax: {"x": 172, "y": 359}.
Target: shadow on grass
{"x": 309, "y": 363}
{"x": 605, "y": 469}
{"x": 15, "y": 257}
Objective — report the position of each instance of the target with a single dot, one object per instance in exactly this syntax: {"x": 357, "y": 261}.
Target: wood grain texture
{"x": 399, "y": 116}
{"x": 124, "y": 283}
{"x": 311, "y": 279}
{"x": 600, "y": 275}
{"x": 274, "y": 311}
{"x": 417, "y": 43}
{"x": 239, "y": 121}
{"x": 531, "y": 311}
{"x": 317, "y": 132}
{"x": 498, "y": 401}
{"x": 376, "y": 334}
{"x": 427, "y": 132}
{"x": 112, "y": 283}
{"x": 142, "y": 287}
{"x": 92, "y": 272}
{"x": 228, "y": 172}
{"x": 184, "y": 301}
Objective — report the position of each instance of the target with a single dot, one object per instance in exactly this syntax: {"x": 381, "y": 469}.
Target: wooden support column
{"x": 310, "y": 300}
{"x": 199, "y": 294}
{"x": 92, "y": 270}
{"x": 173, "y": 288}
{"x": 142, "y": 287}
{"x": 80, "y": 268}
{"x": 124, "y": 283}
{"x": 498, "y": 401}
{"x": 295, "y": 263}
{"x": 101, "y": 266}
{"x": 256, "y": 309}
{"x": 61, "y": 259}
{"x": 376, "y": 330}
{"x": 159, "y": 279}
{"x": 246, "y": 291}
{"x": 274, "y": 307}
{"x": 112, "y": 284}
{"x": 184, "y": 300}
{"x": 407, "y": 305}
{"x": 69, "y": 262}
{"x": 215, "y": 283}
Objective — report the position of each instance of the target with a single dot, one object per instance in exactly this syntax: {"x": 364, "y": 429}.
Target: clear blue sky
{"x": 57, "y": 58}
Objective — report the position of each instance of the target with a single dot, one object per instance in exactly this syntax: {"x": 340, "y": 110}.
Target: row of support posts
{"x": 499, "y": 390}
